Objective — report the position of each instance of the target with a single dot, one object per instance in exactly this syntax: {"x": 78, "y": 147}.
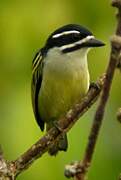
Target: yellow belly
{"x": 60, "y": 91}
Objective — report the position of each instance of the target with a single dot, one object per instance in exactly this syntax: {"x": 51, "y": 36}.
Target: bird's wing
{"x": 37, "y": 68}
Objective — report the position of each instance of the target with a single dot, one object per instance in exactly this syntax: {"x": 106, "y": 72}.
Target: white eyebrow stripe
{"x": 64, "y": 33}
{"x": 76, "y": 43}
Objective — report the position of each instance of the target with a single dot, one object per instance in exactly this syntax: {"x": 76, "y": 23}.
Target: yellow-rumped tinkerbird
{"x": 60, "y": 76}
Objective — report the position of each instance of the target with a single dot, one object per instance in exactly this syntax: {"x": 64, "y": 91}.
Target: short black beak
{"x": 94, "y": 43}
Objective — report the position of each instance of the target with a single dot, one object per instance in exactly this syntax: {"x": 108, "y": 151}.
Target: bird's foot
{"x": 94, "y": 85}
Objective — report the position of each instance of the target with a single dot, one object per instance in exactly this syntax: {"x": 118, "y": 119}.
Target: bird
{"x": 60, "y": 77}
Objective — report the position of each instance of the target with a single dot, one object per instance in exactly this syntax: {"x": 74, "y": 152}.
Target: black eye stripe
{"x": 78, "y": 46}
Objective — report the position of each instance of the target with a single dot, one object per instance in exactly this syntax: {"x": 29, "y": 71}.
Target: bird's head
{"x": 72, "y": 37}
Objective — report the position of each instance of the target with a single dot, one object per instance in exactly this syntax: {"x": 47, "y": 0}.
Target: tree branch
{"x": 5, "y": 173}
{"x": 117, "y": 4}
{"x": 63, "y": 125}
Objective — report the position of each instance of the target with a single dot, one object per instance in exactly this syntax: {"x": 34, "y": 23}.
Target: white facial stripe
{"x": 77, "y": 43}
{"x": 36, "y": 62}
{"x": 64, "y": 33}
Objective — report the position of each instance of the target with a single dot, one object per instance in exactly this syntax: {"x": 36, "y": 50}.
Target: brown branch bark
{"x": 117, "y": 4}
{"x": 13, "y": 168}
{"x": 5, "y": 174}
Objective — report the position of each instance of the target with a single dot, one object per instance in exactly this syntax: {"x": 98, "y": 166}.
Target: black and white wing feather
{"x": 37, "y": 68}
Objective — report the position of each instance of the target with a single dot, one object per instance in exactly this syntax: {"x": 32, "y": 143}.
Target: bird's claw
{"x": 94, "y": 85}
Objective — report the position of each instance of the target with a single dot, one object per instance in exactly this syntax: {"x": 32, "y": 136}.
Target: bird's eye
{"x": 76, "y": 36}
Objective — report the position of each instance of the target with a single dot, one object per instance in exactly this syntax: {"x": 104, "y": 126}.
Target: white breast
{"x": 67, "y": 62}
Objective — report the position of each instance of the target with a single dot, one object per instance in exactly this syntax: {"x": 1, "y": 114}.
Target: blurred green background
{"x": 24, "y": 27}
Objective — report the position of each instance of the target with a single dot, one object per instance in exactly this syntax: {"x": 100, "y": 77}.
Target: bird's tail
{"x": 60, "y": 145}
